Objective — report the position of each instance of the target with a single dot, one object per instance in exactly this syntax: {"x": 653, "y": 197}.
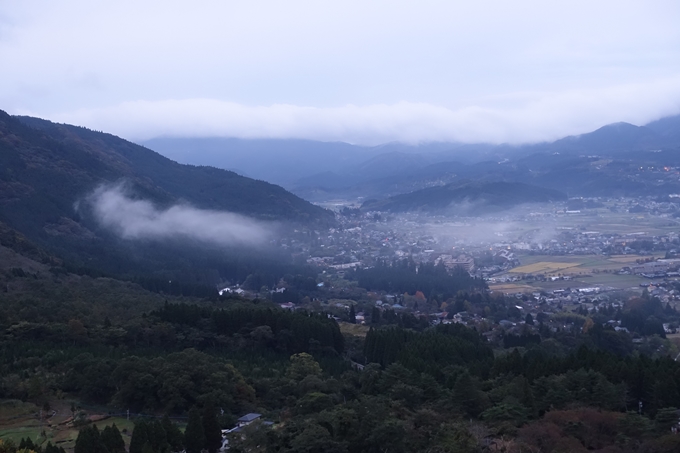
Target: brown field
{"x": 543, "y": 267}
{"x": 357, "y": 330}
{"x": 511, "y": 288}
{"x": 575, "y": 264}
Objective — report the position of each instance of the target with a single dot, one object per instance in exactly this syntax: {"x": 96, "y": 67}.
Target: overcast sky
{"x": 357, "y": 71}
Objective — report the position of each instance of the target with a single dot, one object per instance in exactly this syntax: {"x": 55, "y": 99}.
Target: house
{"x": 248, "y": 419}
{"x": 241, "y": 423}
{"x": 228, "y": 290}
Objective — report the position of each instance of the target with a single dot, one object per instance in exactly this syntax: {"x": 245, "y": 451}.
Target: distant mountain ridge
{"x": 468, "y": 198}
{"x": 605, "y": 162}
{"x": 321, "y": 171}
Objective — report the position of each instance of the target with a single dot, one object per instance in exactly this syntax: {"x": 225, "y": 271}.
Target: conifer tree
{"x": 89, "y": 441}
{"x": 173, "y": 434}
{"x": 665, "y": 418}
{"x": 112, "y": 439}
{"x": 375, "y": 316}
{"x": 194, "y": 436}
{"x": 157, "y": 436}
{"x": 211, "y": 428}
{"x": 352, "y": 315}
{"x": 140, "y": 436}
{"x": 467, "y": 397}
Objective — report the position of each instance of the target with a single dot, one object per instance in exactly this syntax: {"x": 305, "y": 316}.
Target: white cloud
{"x": 520, "y": 118}
{"x": 139, "y": 219}
{"x": 351, "y": 70}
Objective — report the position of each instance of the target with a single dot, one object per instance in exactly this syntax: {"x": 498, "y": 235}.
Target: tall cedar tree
{"x": 89, "y": 441}
{"x": 352, "y": 315}
{"x": 173, "y": 433}
{"x": 375, "y": 316}
{"x": 26, "y": 444}
{"x": 211, "y": 428}
{"x": 112, "y": 439}
{"x": 157, "y": 437}
{"x": 194, "y": 435}
{"x": 140, "y": 436}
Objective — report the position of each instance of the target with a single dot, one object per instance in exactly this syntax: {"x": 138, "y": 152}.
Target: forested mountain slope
{"x": 47, "y": 170}
{"x": 468, "y": 198}
{"x": 71, "y": 160}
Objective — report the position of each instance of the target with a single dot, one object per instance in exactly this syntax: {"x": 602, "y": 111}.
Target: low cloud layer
{"x": 523, "y": 118}
{"x": 355, "y": 71}
{"x": 139, "y": 219}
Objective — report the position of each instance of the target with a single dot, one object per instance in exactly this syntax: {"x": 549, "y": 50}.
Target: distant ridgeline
{"x": 470, "y": 198}
{"x": 46, "y": 168}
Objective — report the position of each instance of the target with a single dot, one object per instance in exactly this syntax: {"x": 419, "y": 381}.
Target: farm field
{"x": 21, "y": 420}
{"x": 584, "y": 271}
{"x": 620, "y": 223}
{"x": 357, "y": 330}
{"x": 575, "y": 264}
{"x": 512, "y": 287}
{"x": 612, "y": 280}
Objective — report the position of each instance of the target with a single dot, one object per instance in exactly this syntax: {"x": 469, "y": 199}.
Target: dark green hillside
{"x": 46, "y": 168}
{"x": 91, "y": 157}
{"x": 467, "y": 198}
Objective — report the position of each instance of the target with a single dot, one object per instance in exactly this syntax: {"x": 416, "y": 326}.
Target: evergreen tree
{"x": 140, "y": 436}
{"x": 173, "y": 434}
{"x": 112, "y": 439}
{"x": 375, "y": 315}
{"x": 527, "y": 396}
{"x": 665, "y": 418}
{"x": 26, "y": 444}
{"x": 157, "y": 437}
{"x": 89, "y": 441}
{"x": 352, "y": 315}
{"x": 194, "y": 435}
{"x": 529, "y": 319}
{"x": 211, "y": 429}
{"x": 467, "y": 397}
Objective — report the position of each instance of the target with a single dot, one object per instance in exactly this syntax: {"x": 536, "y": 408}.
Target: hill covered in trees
{"x": 469, "y": 198}
{"x": 48, "y": 171}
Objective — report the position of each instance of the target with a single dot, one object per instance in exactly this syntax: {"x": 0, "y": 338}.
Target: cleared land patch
{"x": 543, "y": 267}
{"x": 21, "y": 420}
{"x": 357, "y": 330}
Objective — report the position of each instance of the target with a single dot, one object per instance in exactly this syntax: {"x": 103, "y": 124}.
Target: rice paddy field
{"x": 575, "y": 264}
{"x": 583, "y": 271}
